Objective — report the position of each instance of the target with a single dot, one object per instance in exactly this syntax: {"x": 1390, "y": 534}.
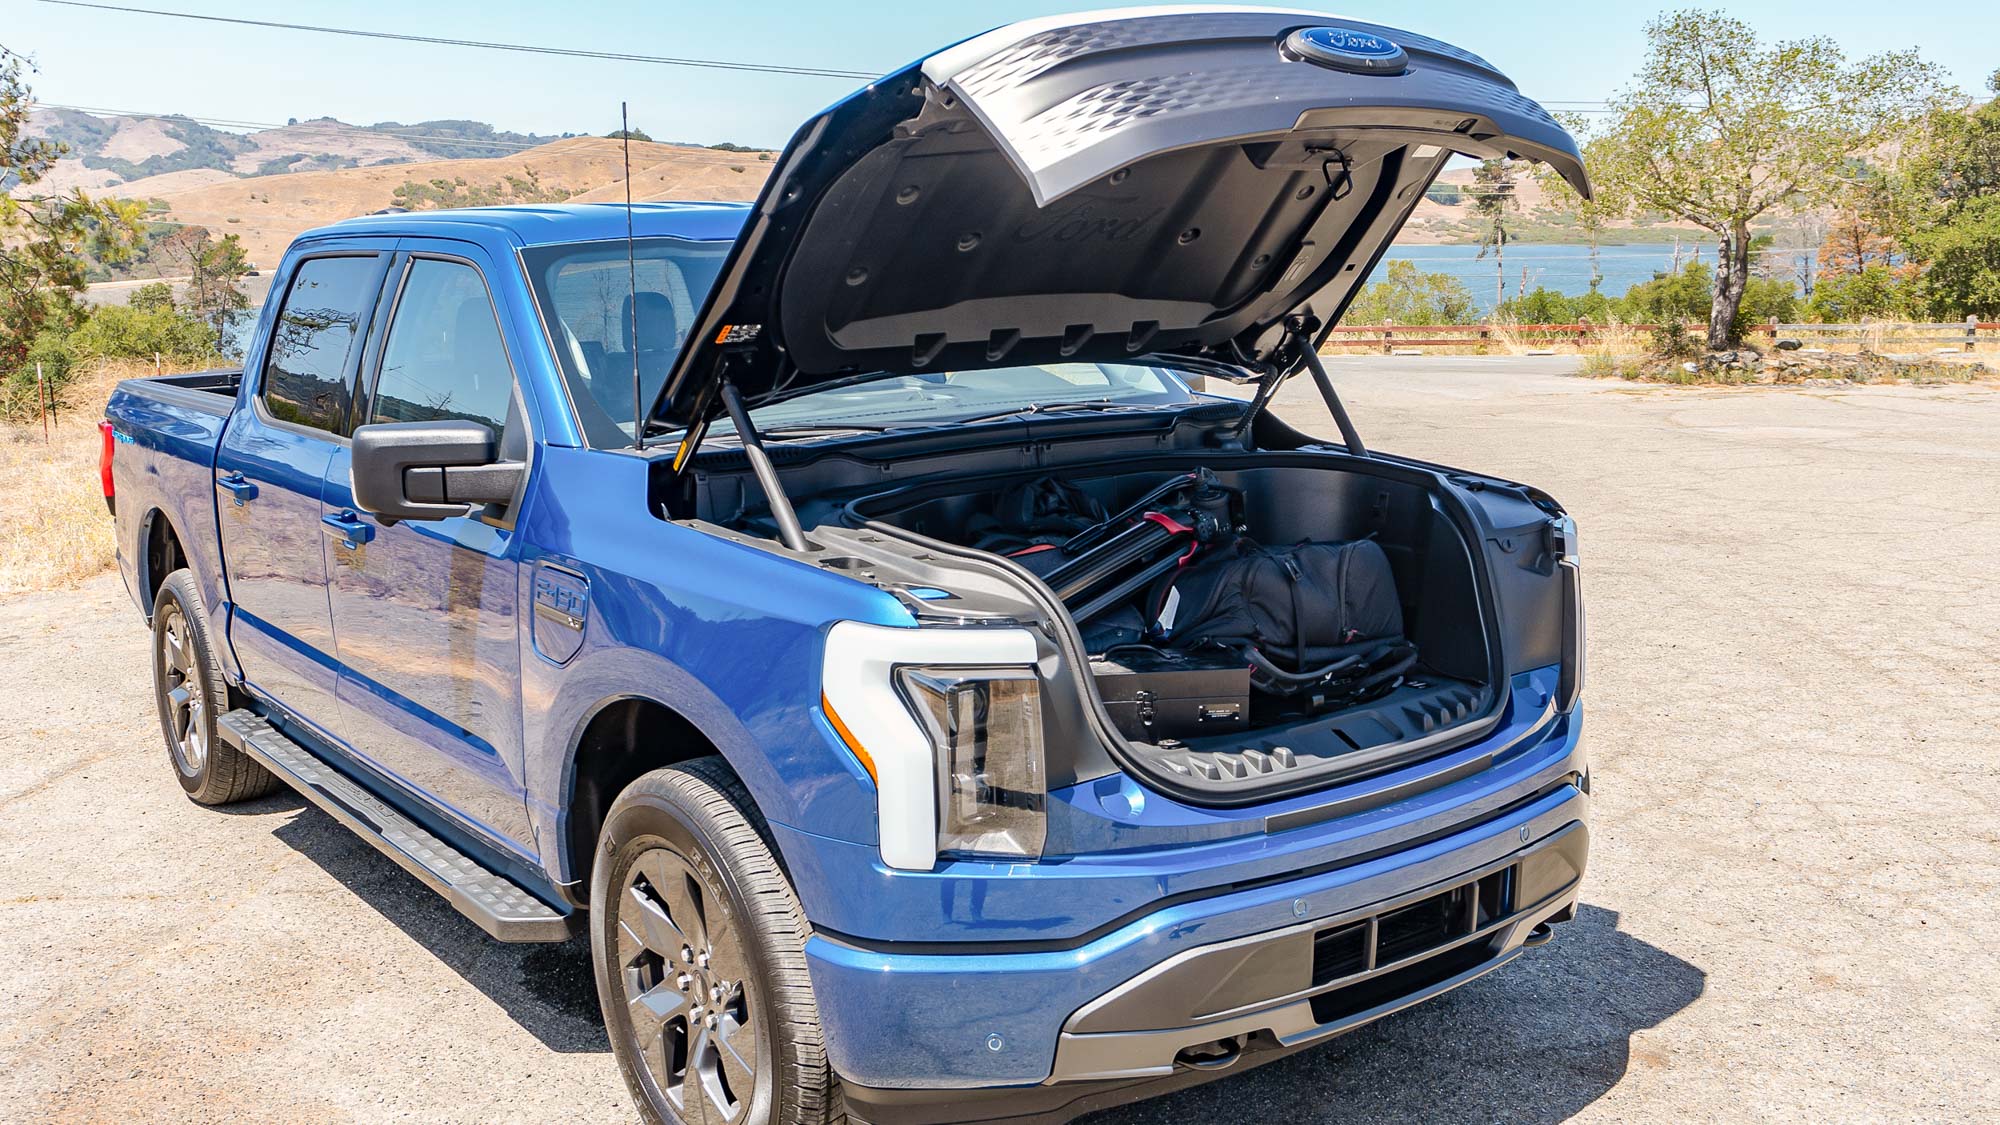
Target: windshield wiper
{"x": 1103, "y": 404}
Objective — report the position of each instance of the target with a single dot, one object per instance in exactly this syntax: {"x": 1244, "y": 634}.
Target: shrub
{"x": 157, "y": 297}
{"x": 20, "y": 399}
{"x": 1876, "y": 292}
{"x": 1598, "y": 365}
{"x": 1687, "y": 296}
{"x": 1674, "y": 343}
{"x": 1408, "y": 295}
{"x": 1547, "y": 306}
{"x": 125, "y": 332}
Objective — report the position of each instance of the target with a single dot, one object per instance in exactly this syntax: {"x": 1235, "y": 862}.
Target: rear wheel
{"x": 699, "y": 946}
{"x": 190, "y": 693}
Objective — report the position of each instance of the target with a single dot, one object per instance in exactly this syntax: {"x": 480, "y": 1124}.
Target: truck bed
{"x": 163, "y": 462}
{"x": 211, "y": 392}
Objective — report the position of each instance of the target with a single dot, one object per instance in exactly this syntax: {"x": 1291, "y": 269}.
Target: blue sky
{"x": 1556, "y": 52}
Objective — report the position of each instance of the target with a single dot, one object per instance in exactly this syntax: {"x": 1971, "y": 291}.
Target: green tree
{"x": 1718, "y": 129}
{"x": 1493, "y": 202}
{"x": 1589, "y": 216}
{"x": 1408, "y": 295}
{"x": 44, "y": 240}
{"x": 621, "y": 134}
{"x": 1962, "y": 262}
{"x": 215, "y": 269}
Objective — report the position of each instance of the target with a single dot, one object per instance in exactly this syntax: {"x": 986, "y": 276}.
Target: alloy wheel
{"x": 686, "y": 989}
{"x": 186, "y": 687}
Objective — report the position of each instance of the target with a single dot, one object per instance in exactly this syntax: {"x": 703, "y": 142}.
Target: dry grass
{"x": 54, "y": 531}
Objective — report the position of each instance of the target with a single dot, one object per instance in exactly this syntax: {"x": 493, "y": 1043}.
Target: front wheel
{"x": 698, "y": 942}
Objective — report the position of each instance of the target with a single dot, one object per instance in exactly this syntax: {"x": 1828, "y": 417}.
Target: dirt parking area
{"x": 1792, "y": 912}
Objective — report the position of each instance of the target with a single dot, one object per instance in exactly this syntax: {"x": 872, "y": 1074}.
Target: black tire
{"x": 191, "y": 694}
{"x": 693, "y": 830}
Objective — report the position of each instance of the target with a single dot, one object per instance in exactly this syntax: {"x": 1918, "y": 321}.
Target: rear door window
{"x": 314, "y": 342}
{"x": 444, "y": 358}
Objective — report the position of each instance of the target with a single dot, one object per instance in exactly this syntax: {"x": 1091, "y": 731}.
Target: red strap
{"x": 1031, "y": 550}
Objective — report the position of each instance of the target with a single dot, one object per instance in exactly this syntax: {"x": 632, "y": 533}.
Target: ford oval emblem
{"x": 1345, "y": 48}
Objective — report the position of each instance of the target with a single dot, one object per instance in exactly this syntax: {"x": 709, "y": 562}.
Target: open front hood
{"x": 1091, "y": 187}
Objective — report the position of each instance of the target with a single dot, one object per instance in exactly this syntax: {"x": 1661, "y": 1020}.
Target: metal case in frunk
{"x": 1154, "y": 693}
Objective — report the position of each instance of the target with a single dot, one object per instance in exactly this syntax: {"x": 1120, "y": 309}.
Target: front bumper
{"x": 927, "y": 1033}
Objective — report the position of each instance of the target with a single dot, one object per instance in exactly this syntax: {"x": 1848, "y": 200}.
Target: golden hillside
{"x": 268, "y": 211}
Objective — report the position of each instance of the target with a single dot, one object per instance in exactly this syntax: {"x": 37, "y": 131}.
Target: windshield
{"x": 938, "y": 398}
{"x": 588, "y": 294}
{"x": 587, "y": 299}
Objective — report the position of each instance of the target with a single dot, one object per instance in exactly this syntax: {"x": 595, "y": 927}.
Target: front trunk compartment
{"x": 1261, "y": 745}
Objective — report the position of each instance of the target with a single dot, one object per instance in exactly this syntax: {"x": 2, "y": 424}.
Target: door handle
{"x": 348, "y": 528}
{"x": 236, "y": 486}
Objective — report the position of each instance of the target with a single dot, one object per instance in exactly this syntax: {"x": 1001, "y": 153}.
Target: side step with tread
{"x": 500, "y": 906}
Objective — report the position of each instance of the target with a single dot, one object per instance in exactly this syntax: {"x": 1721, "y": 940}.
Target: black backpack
{"x": 1317, "y": 617}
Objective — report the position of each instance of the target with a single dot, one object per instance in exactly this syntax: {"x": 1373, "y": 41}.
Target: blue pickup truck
{"x": 854, "y": 613}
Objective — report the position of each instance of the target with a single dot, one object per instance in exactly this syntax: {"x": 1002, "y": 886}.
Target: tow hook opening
{"x": 1219, "y": 1055}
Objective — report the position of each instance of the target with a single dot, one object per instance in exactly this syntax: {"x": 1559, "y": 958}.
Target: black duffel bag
{"x": 1031, "y": 521}
{"x": 1319, "y": 618}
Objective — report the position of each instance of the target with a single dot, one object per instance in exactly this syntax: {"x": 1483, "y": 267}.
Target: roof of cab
{"x": 543, "y": 224}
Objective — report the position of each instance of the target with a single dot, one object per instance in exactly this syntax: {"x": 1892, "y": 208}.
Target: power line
{"x": 524, "y": 48}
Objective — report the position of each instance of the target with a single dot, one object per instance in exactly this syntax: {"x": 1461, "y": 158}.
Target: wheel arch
{"x": 162, "y": 551}
{"x": 622, "y": 738}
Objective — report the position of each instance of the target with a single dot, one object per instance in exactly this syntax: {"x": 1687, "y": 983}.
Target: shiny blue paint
{"x": 1129, "y": 860}
{"x": 277, "y": 566}
{"x": 921, "y": 1019}
{"x": 426, "y": 618}
{"x": 427, "y": 634}
{"x": 410, "y": 647}
{"x": 725, "y": 635}
{"x": 163, "y": 460}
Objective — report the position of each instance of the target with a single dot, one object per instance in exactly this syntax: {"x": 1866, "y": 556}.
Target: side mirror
{"x": 429, "y": 470}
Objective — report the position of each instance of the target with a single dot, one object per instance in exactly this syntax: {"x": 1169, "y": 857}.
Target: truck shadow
{"x": 547, "y": 989}
{"x": 1536, "y": 1041}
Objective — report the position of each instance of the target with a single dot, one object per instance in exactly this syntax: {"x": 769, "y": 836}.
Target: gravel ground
{"x": 1791, "y": 914}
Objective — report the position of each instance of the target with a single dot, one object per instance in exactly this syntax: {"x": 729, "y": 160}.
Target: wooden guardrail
{"x": 1388, "y": 337}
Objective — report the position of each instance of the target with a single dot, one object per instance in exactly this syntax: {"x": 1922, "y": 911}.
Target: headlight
{"x": 1569, "y": 568}
{"x": 986, "y": 728}
{"x": 948, "y": 723}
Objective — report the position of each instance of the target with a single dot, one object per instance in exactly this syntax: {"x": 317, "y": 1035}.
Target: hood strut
{"x": 789, "y": 531}
{"x": 1302, "y": 330}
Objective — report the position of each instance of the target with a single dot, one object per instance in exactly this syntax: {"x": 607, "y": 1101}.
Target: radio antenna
{"x": 632, "y": 283}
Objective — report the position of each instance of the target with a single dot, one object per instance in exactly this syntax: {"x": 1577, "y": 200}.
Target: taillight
{"x": 104, "y": 463}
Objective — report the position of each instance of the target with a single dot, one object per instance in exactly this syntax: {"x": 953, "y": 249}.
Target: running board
{"x": 500, "y": 906}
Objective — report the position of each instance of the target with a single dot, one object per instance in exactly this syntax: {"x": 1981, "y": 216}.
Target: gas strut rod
{"x": 1302, "y": 339}
{"x": 789, "y": 531}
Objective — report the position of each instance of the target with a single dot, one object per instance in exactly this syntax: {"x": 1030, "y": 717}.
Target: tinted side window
{"x": 325, "y": 309}
{"x": 444, "y": 358}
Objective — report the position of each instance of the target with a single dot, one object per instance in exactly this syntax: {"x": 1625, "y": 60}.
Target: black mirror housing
{"x": 429, "y": 470}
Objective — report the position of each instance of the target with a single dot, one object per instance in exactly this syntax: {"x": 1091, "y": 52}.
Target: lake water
{"x": 1564, "y": 268}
